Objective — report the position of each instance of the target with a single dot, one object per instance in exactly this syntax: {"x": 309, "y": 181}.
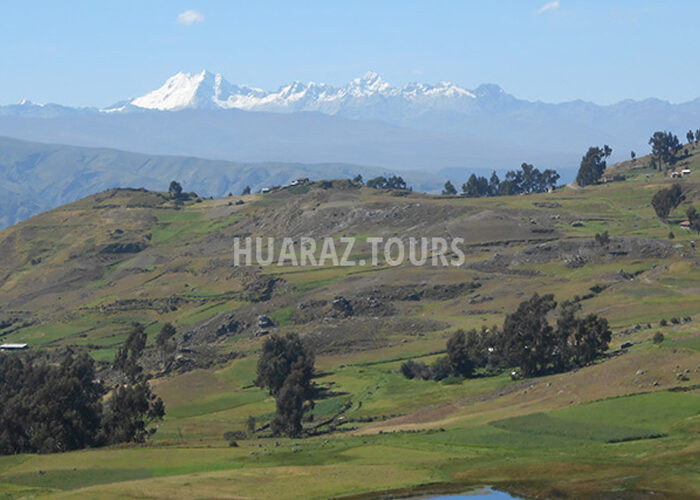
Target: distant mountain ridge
{"x": 252, "y": 136}
{"x": 207, "y": 90}
{"x": 550, "y": 135}
{"x": 36, "y": 177}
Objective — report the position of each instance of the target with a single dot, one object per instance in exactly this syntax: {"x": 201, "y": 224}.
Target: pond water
{"x": 483, "y": 494}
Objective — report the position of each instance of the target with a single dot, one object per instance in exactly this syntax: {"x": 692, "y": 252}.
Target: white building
{"x": 13, "y": 347}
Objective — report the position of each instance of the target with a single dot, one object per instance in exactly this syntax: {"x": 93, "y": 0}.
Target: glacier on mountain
{"x": 207, "y": 90}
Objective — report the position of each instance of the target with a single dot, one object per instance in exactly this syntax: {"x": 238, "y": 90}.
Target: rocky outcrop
{"x": 121, "y": 248}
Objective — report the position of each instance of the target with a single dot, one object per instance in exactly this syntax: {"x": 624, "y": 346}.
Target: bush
{"x": 452, "y": 380}
{"x": 393, "y": 182}
{"x": 251, "y": 423}
{"x": 233, "y": 435}
{"x": 602, "y": 239}
{"x": 410, "y": 369}
{"x": 663, "y": 322}
{"x": 441, "y": 368}
{"x": 458, "y": 355}
{"x": 658, "y": 338}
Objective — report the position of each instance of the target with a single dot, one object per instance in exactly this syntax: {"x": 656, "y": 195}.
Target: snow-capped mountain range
{"x": 437, "y": 130}
{"x": 416, "y": 126}
{"x": 206, "y": 90}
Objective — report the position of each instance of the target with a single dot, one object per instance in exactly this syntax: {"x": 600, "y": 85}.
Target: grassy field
{"x": 627, "y": 426}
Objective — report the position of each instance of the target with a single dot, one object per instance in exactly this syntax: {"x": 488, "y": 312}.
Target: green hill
{"x": 35, "y": 177}
{"x": 78, "y": 276}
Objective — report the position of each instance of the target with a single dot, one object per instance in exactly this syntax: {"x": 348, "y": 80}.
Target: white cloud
{"x": 548, "y": 6}
{"x": 190, "y": 17}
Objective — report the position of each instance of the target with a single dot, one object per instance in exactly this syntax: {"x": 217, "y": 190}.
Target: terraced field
{"x": 626, "y": 426}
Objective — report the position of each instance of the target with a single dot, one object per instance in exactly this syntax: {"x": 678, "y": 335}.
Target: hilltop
{"x": 36, "y": 177}
{"x": 77, "y": 277}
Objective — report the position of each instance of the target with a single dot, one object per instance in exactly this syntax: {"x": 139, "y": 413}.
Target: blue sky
{"x": 96, "y": 53}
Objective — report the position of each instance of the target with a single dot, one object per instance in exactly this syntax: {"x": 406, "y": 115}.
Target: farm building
{"x": 614, "y": 178}
{"x": 13, "y": 347}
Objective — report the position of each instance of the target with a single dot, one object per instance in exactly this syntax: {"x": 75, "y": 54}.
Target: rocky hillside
{"x": 78, "y": 277}
{"x": 35, "y": 177}
{"x": 80, "y": 274}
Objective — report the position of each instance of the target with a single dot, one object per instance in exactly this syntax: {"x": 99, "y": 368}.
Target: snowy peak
{"x": 207, "y": 90}
{"x": 179, "y": 92}
{"x": 440, "y": 89}
{"x": 204, "y": 90}
{"x": 370, "y": 84}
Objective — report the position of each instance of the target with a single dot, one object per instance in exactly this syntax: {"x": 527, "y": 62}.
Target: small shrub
{"x": 602, "y": 239}
{"x": 658, "y": 338}
{"x": 410, "y": 369}
{"x": 251, "y": 423}
{"x": 233, "y": 435}
{"x": 452, "y": 380}
{"x": 407, "y": 369}
{"x": 663, "y": 322}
